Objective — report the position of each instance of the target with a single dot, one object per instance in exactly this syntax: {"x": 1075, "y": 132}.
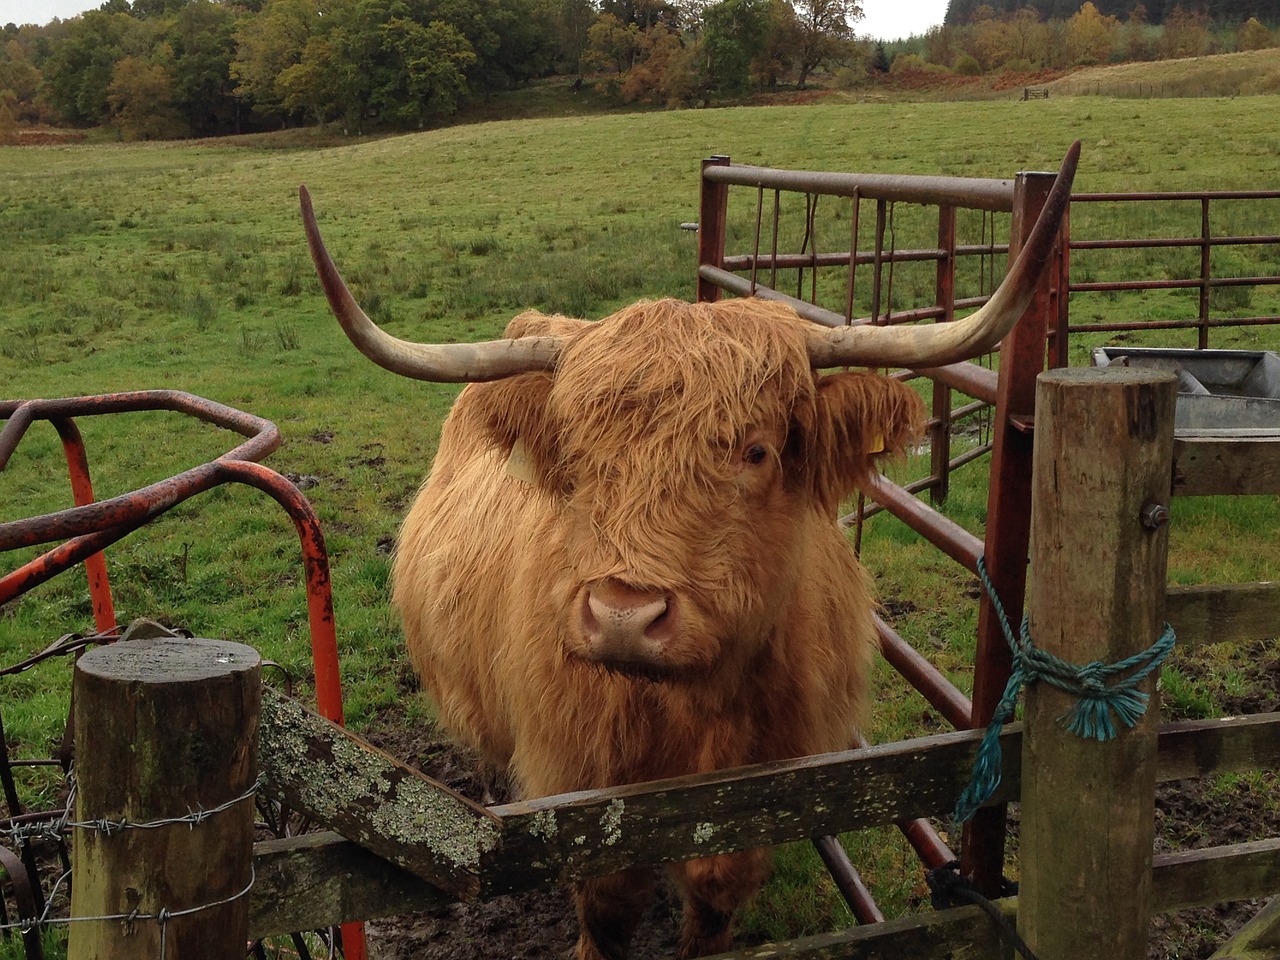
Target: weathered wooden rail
{"x": 317, "y": 879}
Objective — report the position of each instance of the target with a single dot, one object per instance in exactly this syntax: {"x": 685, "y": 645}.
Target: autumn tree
{"x": 201, "y": 36}
{"x": 611, "y": 43}
{"x": 1090, "y": 36}
{"x": 512, "y": 39}
{"x": 825, "y": 32}
{"x": 1056, "y": 55}
{"x": 312, "y": 85}
{"x": 734, "y": 35}
{"x": 650, "y": 78}
{"x": 1028, "y": 38}
{"x": 428, "y": 71}
{"x": 1186, "y": 34}
{"x": 1252, "y": 35}
{"x": 8, "y": 116}
{"x": 574, "y": 19}
{"x": 942, "y": 45}
{"x": 267, "y": 43}
{"x": 776, "y": 58}
{"x": 78, "y": 71}
{"x": 982, "y": 12}
{"x": 1137, "y": 46}
{"x": 141, "y": 97}
{"x": 20, "y": 78}
{"x": 988, "y": 42}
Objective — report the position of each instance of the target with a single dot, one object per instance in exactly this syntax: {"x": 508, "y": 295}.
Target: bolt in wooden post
{"x": 164, "y": 728}
{"x": 1103, "y": 451}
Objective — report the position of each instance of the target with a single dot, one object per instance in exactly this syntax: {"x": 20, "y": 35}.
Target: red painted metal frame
{"x": 714, "y": 275}
{"x": 90, "y": 526}
{"x": 1023, "y": 357}
{"x": 1008, "y": 530}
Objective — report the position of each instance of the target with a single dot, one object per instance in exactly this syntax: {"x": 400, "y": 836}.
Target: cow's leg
{"x": 609, "y": 910}
{"x": 713, "y": 889}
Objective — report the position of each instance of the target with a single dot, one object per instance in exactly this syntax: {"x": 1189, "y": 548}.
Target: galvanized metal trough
{"x": 1221, "y": 393}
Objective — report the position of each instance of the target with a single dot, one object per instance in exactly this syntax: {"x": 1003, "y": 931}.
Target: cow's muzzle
{"x": 628, "y": 628}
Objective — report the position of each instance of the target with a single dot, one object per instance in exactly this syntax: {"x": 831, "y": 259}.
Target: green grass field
{"x": 183, "y": 266}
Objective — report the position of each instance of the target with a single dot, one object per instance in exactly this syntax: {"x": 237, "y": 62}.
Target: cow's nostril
{"x": 663, "y": 627}
{"x": 626, "y": 623}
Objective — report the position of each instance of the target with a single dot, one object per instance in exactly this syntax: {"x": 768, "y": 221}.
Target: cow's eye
{"x": 756, "y": 454}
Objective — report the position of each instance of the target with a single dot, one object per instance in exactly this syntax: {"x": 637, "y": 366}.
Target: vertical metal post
{"x": 95, "y": 565}
{"x": 1022, "y": 358}
{"x": 1206, "y": 269}
{"x": 945, "y": 296}
{"x": 878, "y": 259}
{"x": 712, "y": 216}
{"x": 1060, "y": 355}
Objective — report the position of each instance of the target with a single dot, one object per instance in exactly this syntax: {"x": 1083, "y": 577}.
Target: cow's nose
{"x": 626, "y": 624}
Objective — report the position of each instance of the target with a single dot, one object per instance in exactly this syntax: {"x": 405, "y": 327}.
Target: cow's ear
{"x": 510, "y": 414}
{"x": 857, "y": 419}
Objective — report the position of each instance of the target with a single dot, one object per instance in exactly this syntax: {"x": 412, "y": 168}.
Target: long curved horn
{"x": 941, "y": 343}
{"x": 442, "y": 363}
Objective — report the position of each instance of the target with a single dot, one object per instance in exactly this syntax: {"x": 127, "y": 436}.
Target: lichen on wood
{"x": 373, "y": 799}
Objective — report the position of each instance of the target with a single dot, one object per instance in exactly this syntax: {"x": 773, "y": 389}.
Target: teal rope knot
{"x": 1105, "y": 694}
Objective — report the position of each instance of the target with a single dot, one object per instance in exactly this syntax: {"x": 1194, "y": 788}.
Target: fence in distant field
{"x": 1235, "y": 85}
{"x": 1207, "y": 281}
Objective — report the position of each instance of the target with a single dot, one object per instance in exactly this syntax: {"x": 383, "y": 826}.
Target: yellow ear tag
{"x": 519, "y": 463}
{"x": 877, "y": 444}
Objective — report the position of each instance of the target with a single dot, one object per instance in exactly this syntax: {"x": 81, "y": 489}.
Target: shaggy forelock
{"x": 703, "y": 377}
{"x": 640, "y": 416}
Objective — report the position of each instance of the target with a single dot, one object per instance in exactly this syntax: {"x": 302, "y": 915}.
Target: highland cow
{"x": 625, "y": 564}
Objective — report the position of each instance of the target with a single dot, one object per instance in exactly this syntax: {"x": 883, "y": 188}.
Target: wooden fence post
{"x": 1101, "y": 487}
{"x": 166, "y": 729}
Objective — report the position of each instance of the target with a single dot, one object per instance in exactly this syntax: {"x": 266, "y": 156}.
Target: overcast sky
{"x": 883, "y": 20}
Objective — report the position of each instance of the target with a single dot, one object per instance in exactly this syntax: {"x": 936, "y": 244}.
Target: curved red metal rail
{"x": 90, "y": 526}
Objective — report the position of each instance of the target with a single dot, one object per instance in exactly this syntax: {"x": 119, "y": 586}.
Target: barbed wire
{"x": 162, "y": 916}
{"x": 57, "y": 829}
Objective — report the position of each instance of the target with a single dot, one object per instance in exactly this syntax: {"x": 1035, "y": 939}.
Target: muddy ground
{"x": 1189, "y": 815}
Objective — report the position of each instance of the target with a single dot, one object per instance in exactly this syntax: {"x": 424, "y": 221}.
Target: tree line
{"x": 182, "y": 68}
{"x": 1020, "y": 40}
{"x": 176, "y": 68}
{"x": 1226, "y": 12}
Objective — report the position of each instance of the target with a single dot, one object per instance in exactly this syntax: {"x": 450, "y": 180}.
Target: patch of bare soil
{"x": 35, "y": 137}
{"x": 1192, "y": 815}
{"x": 1195, "y": 814}
{"x": 531, "y": 926}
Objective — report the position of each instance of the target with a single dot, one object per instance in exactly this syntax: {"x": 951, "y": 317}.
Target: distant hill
{"x": 1224, "y": 74}
{"x": 960, "y": 12}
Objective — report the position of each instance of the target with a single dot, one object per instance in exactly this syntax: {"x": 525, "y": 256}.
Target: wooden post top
{"x": 168, "y": 660}
{"x": 1114, "y": 374}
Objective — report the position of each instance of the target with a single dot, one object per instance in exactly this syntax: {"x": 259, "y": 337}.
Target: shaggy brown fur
{"x": 684, "y": 452}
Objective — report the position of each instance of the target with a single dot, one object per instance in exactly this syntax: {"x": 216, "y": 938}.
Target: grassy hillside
{"x": 1223, "y": 75}
{"x": 183, "y": 266}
